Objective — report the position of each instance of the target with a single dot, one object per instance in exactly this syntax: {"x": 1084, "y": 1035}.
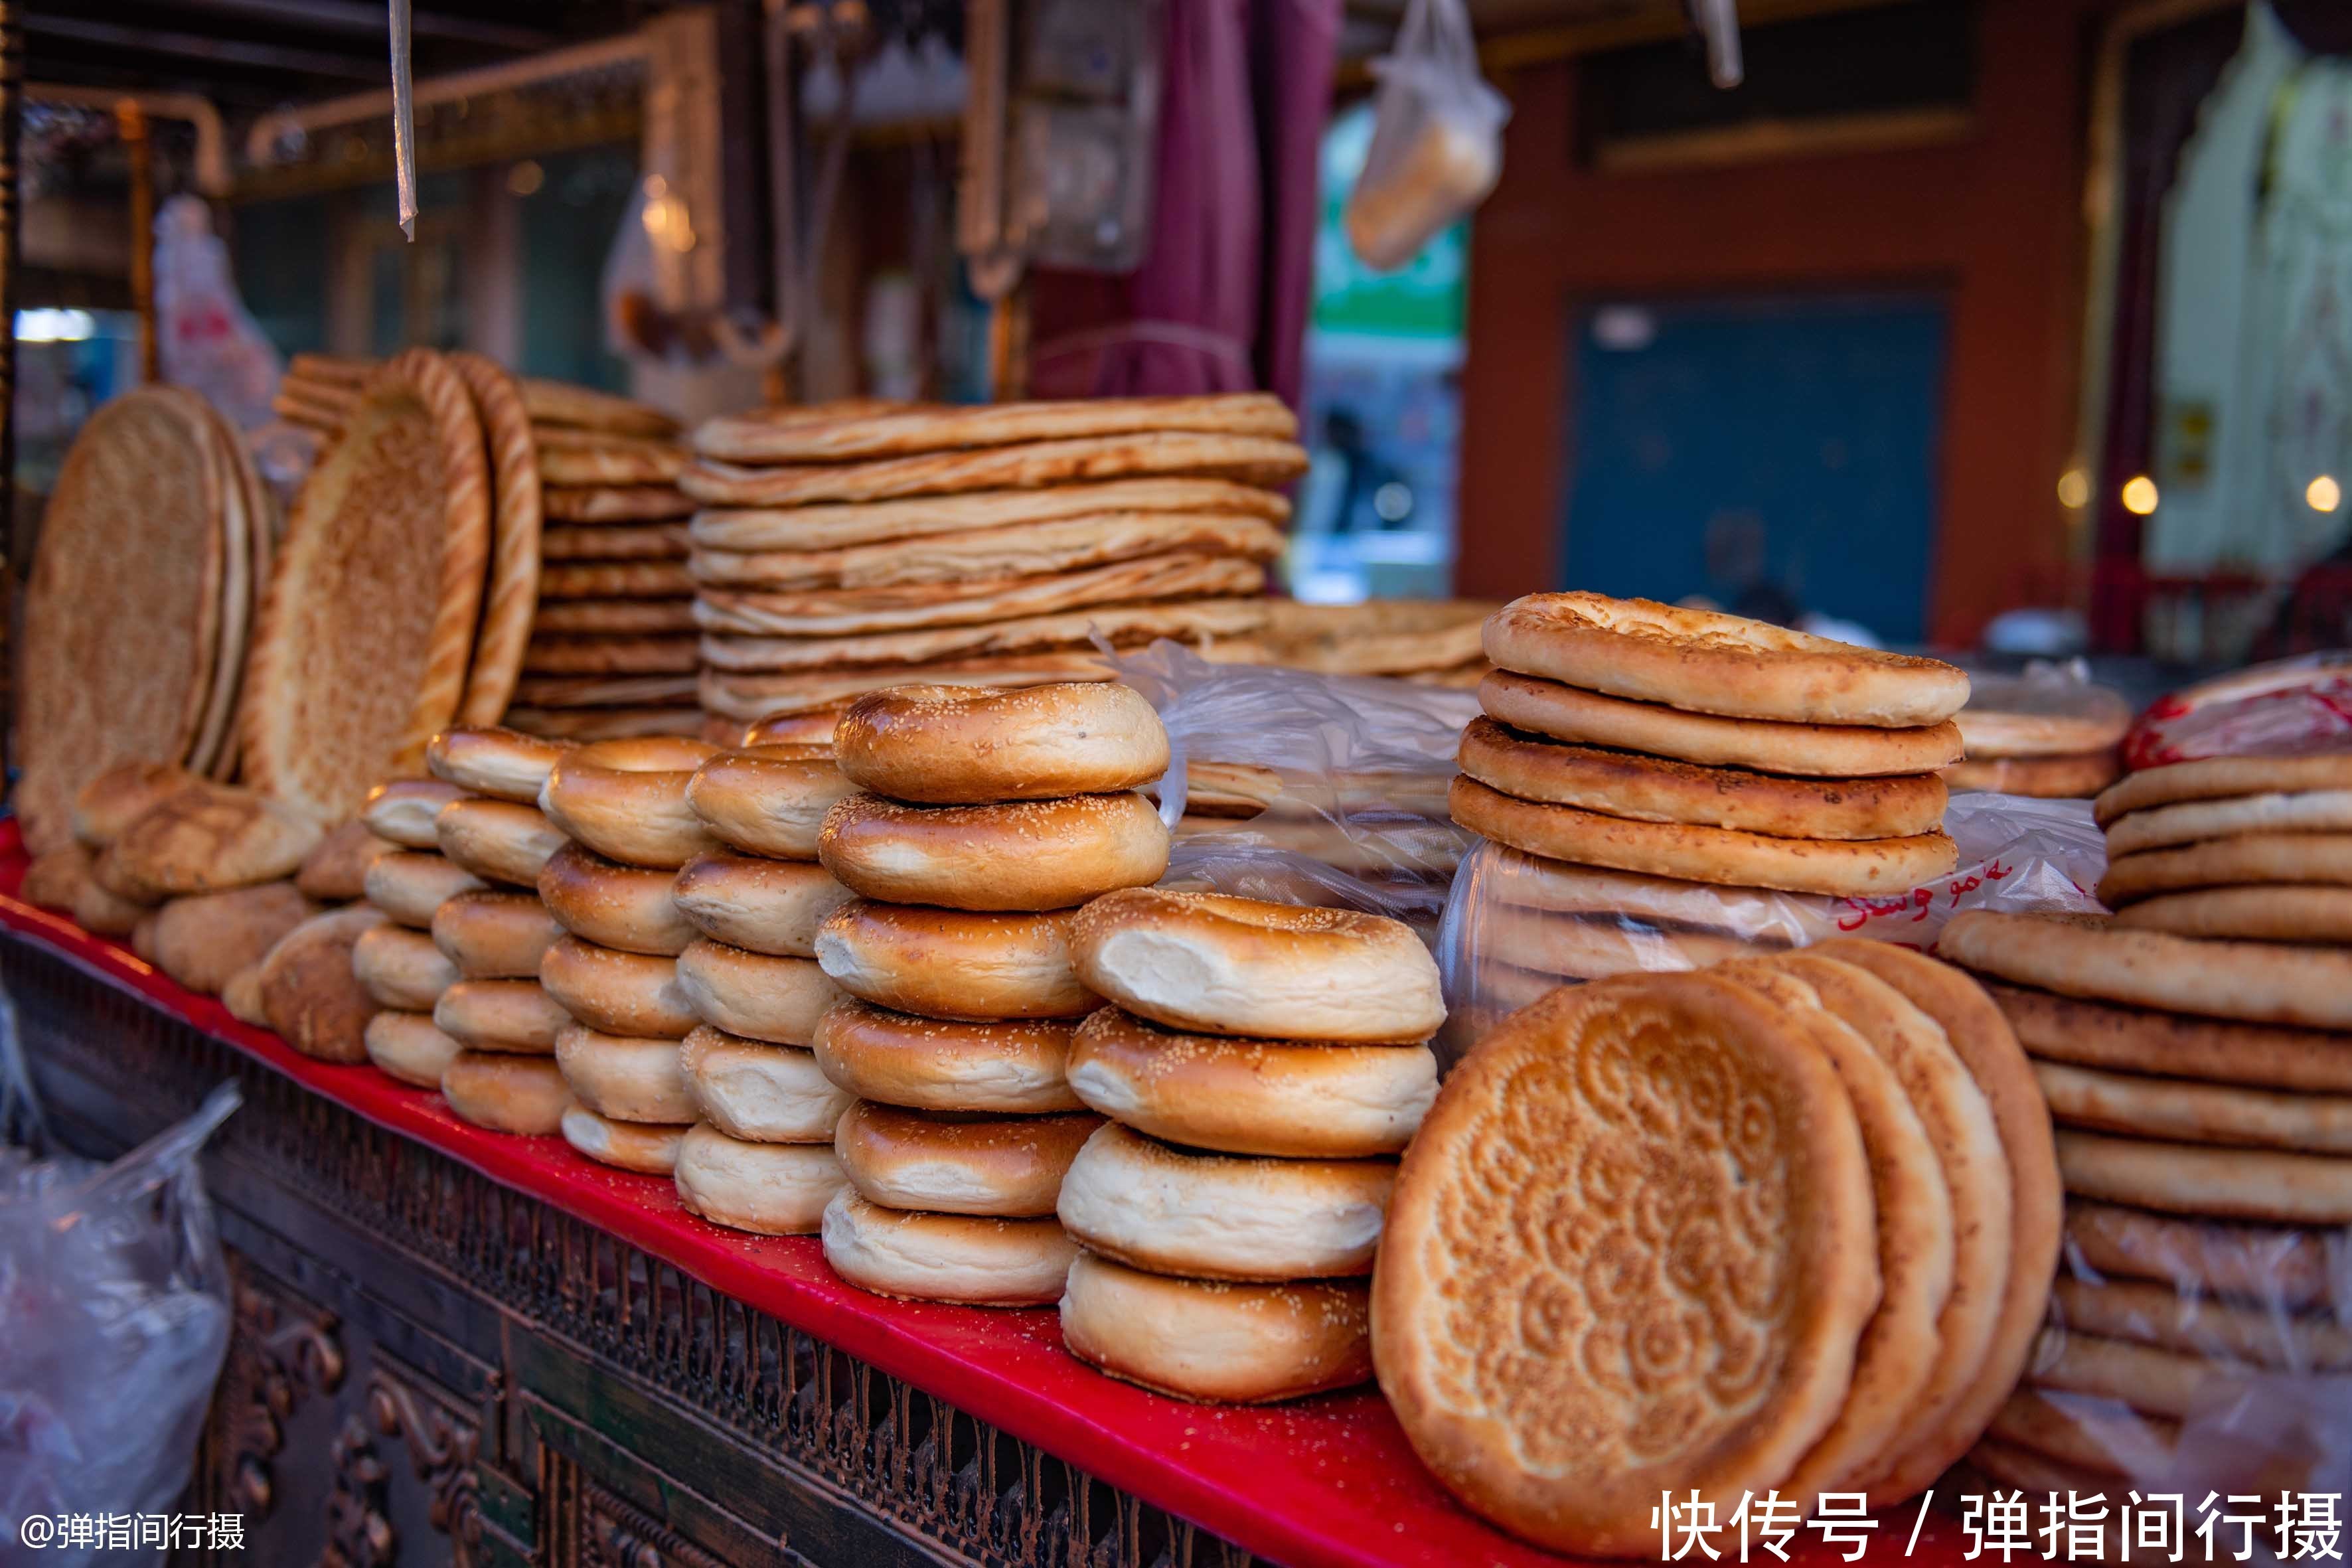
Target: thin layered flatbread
{"x": 843, "y": 527}
{"x": 584, "y": 408}
{"x": 1252, "y": 460}
{"x": 606, "y": 723}
{"x": 615, "y": 542}
{"x": 754, "y": 697}
{"x": 612, "y": 655}
{"x": 355, "y": 668}
{"x": 1024, "y": 550}
{"x": 1384, "y": 636}
{"x": 2089, "y": 956}
{"x": 616, "y": 503}
{"x": 615, "y": 580}
{"x": 122, "y": 617}
{"x": 516, "y": 515}
{"x": 215, "y": 754}
{"x": 583, "y": 458}
{"x": 807, "y": 437}
{"x": 848, "y": 612}
{"x": 1187, "y": 620}
{"x": 640, "y": 618}
{"x": 604, "y": 690}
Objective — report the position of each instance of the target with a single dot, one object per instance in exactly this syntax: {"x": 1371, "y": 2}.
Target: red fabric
{"x": 1327, "y": 1482}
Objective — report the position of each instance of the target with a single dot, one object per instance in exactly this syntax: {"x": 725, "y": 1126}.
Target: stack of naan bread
{"x": 585, "y": 627}
{"x": 846, "y": 548}
{"x": 152, "y": 556}
{"x": 1642, "y": 756}
{"x": 2203, "y": 1088}
{"x": 1431, "y": 642}
{"x": 2045, "y": 733}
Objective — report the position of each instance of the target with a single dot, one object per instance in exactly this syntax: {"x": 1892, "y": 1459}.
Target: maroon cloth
{"x": 1220, "y": 302}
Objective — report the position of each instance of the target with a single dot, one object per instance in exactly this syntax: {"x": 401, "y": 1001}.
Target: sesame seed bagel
{"x": 513, "y": 1015}
{"x": 1241, "y": 966}
{"x": 1025, "y": 855}
{"x": 494, "y": 935}
{"x": 626, "y": 799}
{"x": 625, "y": 1078}
{"x": 1223, "y": 1217}
{"x": 955, "y": 745}
{"x": 406, "y": 1046}
{"x": 768, "y": 800}
{"x": 1213, "y": 1339}
{"x": 505, "y": 764}
{"x": 1298, "y": 1101}
{"x": 954, "y": 963}
{"x": 1657, "y": 789}
{"x": 981, "y": 1262}
{"x": 506, "y": 1093}
{"x": 770, "y": 1189}
{"x": 811, "y": 728}
{"x": 402, "y": 968}
{"x": 403, "y": 811}
{"x": 759, "y": 1093}
{"x": 648, "y": 1148}
{"x": 931, "y": 1064}
{"x": 944, "y": 1161}
{"x": 610, "y": 904}
{"x": 410, "y": 884}
{"x": 1707, "y": 662}
{"x": 498, "y": 840}
{"x": 761, "y": 998}
{"x": 773, "y": 907}
{"x": 619, "y": 992}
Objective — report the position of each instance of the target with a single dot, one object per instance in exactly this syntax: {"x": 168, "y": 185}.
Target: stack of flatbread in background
{"x": 2254, "y": 848}
{"x": 152, "y": 556}
{"x": 848, "y": 547}
{"x": 610, "y": 650}
{"x": 1643, "y": 756}
{"x": 2048, "y": 733}
{"x": 1431, "y": 642}
{"x": 2202, "y": 1089}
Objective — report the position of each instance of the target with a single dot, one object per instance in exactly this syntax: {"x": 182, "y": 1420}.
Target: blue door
{"x": 1776, "y": 455}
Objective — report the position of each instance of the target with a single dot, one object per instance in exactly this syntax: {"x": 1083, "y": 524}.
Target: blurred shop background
{"x": 2011, "y": 324}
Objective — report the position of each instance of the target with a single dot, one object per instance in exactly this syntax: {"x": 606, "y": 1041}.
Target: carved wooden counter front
{"x": 453, "y": 1345}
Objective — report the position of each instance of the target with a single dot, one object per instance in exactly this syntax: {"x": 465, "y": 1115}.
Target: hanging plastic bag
{"x": 206, "y": 337}
{"x": 116, "y": 1302}
{"x": 1437, "y": 137}
{"x": 2291, "y": 707}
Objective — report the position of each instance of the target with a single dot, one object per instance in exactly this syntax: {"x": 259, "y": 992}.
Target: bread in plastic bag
{"x": 115, "y": 1298}
{"x": 204, "y": 336}
{"x": 1518, "y": 926}
{"x": 1306, "y": 788}
{"x": 2290, "y": 707}
{"x": 1437, "y": 137}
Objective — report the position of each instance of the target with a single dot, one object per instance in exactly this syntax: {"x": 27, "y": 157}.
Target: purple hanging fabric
{"x": 1246, "y": 88}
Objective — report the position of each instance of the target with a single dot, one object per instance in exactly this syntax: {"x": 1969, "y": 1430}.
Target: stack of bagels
{"x": 2202, "y": 1087}
{"x": 760, "y": 1156}
{"x": 614, "y": 968}
{"x": 1783, "y": 1227}
{"x": 551, "y": 518}
{"x": 1671, "y": 751}
{"x": 1262, "y": 1064}
{"x": 2046, "y": 734}
{"x": 846, "y": 548}
{"x": 986, "y": 817}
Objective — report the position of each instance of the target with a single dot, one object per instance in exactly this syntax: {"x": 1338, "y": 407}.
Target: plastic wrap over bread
{"x": 1307, "y": 788}
{"x": 1516, "y": 925}
{"x": 2293, "y": 706}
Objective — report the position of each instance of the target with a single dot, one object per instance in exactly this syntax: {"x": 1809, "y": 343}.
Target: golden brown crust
{"x": 2277, "y": 912}
{"x": 825, "y": 528}
{"x": 407, "y": 1048}
{"x": 584, "y": 725}
{"x": 202, "y": 941}
{"x": 512, "y": 1016}
{"x": 626, "y": 799}
{"x": 335, "y": 872}
{"x": 308, "y": 989}
{"x": 1016, "y": 1068}
{"x": 953, "y": 964}
{"x": 402, "y": 968}
{"x": 214, "y": 753}
{"x": 633, "y": 618}
{"x": 853, "y": 435}
{"x": 2010, "y": 716}
{"x": 560, "y": 403}
{"x": 516, "y": 520}
{"x": 465, "y": 500}
{"x": 563, "y": 693}
{"x": 2090, "y": 956}
{"x": 498, "y": 840}
{"x": 2042, "y": 778}
{"x": 1185, "y": 1337}
{"x": 848, "y": 612}
{"x": 612, "y": 655}
{"x": 1026, "y": 549}
{"x": 771, "y": 907}
{"x": 1844, "y": 867}
{"x": 629, "y": 994}
{"x": 2205, "y": 1180}
{"x": 752, "y": 698}
{"x": 2137, "y": 1105}
{"x": 768, "y": 800}
{"x": 650, "y": 1149}
{"x": 2221, "y": 778}
{"x": 1025, "y": 854}
{"x": 1814, "y": 750}
{"x": 1122, "y": 626}
{"x": 493, "y": 934}
{"x": 523, "y": 1095}
{"x": 964, "y": 746}
{"x": 613, "y": 905}
{"x": 614, "y": 503}
{"x": 2141, "y": 1039}
{"x": 949, "y": 1162}
{"x": 615, "y": 580}
{"x": 2255, "y": 858}
{"x": 977, "y": 1259}
{"x": 1252, "y": 460}
{"x": 114, "y": 799}
{"x": 485, "y": 759}
{"x": 754, "y": 995}
{"x": 1707, "y": 662}
{"x": 1483, "y": 1241}
{"x": 615, "y": 542}
{"x": 2294, "y": 1267}
{"x": 626, "y": 1078}
{"x": 403, "y": 811}
{"x": 206, "y": 838}
{"x": 411, "y": 885}
{"x": 1655, "y": 789}
{"x": 565, "y": 459}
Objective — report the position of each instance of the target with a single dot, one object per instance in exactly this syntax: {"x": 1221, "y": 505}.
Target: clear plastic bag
{"x": 1306, "y": 788}
{"x": 206, "y": 337}
{"x": 1437, "y": 137}
{"x": 2290, "y": 707}
{"x": 116, "y": 1302}
{"x": 1517, "y": 926}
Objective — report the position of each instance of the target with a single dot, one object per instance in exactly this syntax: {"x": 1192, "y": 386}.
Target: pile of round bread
{"x": 547, "y": 516}
{"x": 848, "y": 547}
{"x": 2202, "y": 1087}
{"x": 153, "y": 552}
{"x": 1639, "y": 754}
{"x": 2254, "y": 848}
{"x": 2046, "y": 734}
{"x": 1783, "y": 1226}
{"x": 984, "y": 818}
{"x": 1262, "y": 1065}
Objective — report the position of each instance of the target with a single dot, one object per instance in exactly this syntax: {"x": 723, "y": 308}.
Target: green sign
{"x": 1423, "y": 299}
